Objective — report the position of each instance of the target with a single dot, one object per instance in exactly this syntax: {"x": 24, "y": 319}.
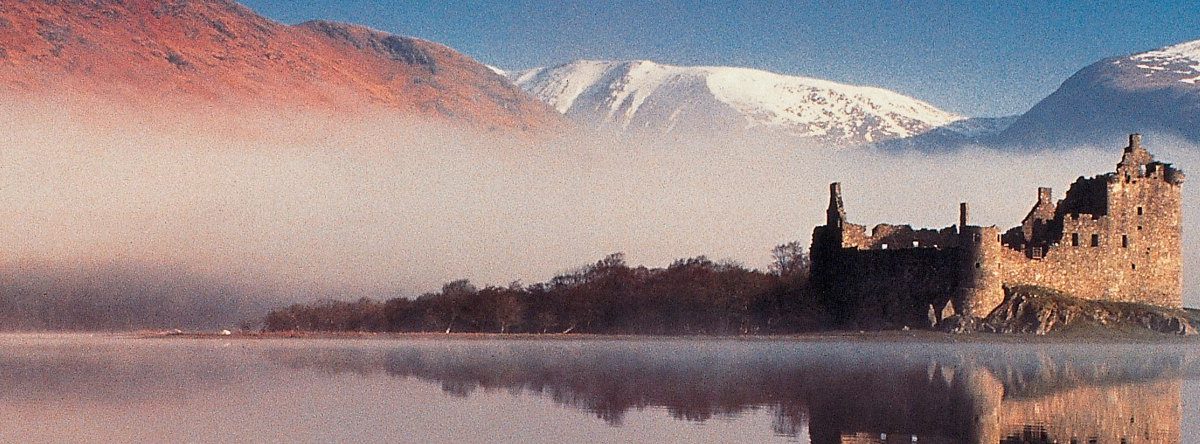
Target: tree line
{"x": 691, "y": 296}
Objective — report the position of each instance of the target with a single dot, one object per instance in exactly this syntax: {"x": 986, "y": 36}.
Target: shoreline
{"x": 830, "y": 336}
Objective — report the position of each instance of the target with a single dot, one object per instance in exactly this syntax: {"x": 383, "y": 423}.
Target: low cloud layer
{"x": 289, "y": 207}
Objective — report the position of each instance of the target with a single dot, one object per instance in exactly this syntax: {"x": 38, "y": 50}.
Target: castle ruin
{"x": 1113, "y": 237}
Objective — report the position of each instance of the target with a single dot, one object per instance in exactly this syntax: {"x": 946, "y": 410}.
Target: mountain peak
{"x": 643, "y": 95}
{"x": 1150, "y": 92}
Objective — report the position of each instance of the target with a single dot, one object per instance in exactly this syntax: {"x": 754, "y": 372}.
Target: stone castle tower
{"x": 1114, "y": 237}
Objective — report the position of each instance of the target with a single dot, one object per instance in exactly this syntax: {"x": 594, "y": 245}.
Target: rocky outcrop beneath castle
{"x": 1041, "y": 311}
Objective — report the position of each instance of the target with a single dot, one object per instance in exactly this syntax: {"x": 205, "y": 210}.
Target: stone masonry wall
{"x": 1114, "y": 237}
{"x": 1129, "y": 252}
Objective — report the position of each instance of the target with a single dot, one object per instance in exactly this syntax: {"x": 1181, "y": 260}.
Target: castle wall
{"x": 1131, "y": 253}
{"x": 981, "y": 286}
{"x": 893, "y": 286}
{"x": 896, "y": 237}
{"x": 1114, "y": 237}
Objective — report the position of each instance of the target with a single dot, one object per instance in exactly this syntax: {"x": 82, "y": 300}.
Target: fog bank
{"x": 289, "y": 207}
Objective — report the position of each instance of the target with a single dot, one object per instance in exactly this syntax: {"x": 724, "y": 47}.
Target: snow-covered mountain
{"x": 647, "y": 96}
{"x": 1155, "y": 92}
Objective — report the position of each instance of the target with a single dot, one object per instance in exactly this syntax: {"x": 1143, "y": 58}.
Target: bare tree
{"x": 789, "y": 260}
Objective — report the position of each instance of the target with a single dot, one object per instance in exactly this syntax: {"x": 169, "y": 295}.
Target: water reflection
{"x": 79, "y": 369}
{"x": 838, "y": 392}
{"x": 826, "y": 391}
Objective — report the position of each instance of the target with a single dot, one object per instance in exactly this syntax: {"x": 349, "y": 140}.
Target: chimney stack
{"x": 962, "y": 216}
{"x": 1135, "y": 142}
{"x": 836, "y": 214}
{"x": 1045, "y": 194}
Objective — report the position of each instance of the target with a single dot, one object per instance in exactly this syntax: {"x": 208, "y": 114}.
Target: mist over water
{"x": 228, "y": 214}
{"x": 114, "y": 389}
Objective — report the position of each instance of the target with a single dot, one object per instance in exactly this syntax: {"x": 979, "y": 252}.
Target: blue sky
{"x": 975, "y": 58}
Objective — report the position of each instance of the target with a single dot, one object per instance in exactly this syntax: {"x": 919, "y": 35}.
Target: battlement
{"x": 1115, "y": 236}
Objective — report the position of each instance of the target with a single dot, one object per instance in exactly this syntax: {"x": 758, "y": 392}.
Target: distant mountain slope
{"x": 1151, "y": 92}
{"x": 217, "y": 51}
{"x": 647, "y": 96}
{"x": 952, "y": 136}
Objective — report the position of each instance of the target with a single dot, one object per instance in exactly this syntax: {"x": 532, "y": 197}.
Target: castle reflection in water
{"x": 847, "y": 392}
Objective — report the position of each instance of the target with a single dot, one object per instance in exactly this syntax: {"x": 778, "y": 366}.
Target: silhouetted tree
{"x": 789, "y": 260}
{"x": 691, "y": 296}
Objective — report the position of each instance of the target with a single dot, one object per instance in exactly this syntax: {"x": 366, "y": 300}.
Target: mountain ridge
{"x": 222, "y": 53}
{"x": 644, "y": 95}
{"x": 1154, "y": 92}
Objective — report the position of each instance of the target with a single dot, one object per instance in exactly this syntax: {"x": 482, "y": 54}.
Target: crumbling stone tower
{"x": 1113, "y": 237}
{"x": 1116, "y": 236}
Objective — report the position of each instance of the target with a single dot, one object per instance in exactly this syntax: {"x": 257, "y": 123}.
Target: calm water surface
{"x": 56, "y": 388}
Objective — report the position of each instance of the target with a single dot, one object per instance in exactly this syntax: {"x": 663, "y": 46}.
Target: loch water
{"x": 111, "y": 388}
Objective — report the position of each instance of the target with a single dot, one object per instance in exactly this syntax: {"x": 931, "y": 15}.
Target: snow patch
{"x": 497, "y": 70}
{"x": 1177, "y": 60}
